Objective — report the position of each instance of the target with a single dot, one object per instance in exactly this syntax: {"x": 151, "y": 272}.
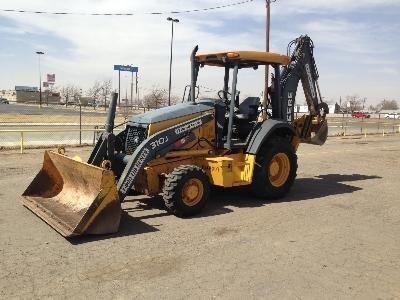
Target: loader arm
{"x": 105, "y": 146}
{"x": 156, "y": 146}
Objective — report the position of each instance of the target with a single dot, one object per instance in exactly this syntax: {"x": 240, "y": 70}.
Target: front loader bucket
{"x": 74, "y": 198}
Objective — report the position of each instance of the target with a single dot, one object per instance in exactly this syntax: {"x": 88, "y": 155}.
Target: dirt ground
{"x": 335, "y": 236}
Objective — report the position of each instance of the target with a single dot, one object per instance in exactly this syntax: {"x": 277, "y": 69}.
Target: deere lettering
{"x": 289, "y": 106}
{"x": 138, "y": 165}
{"x": 189, "y": 126}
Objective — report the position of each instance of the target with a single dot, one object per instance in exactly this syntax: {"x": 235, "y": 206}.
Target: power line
{"x": 123, "y": 14}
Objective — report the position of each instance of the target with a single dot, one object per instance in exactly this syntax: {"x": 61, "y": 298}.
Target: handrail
{"x": 345, "y": 125}
{"x": 45, "y": 130}
{"x": 22, "y": 131}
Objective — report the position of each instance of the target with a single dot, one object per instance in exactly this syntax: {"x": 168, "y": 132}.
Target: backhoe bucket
{"x": 74, "y": 198}
{"x": 321, "y": 135}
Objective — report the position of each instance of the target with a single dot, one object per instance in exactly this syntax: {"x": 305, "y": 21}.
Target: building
{"x": 333, "y": 108}
{"x": 30, "y": 95}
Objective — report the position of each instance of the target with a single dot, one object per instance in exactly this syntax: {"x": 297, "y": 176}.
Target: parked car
{"x": 4, "y": 101}
{"x": 70, "y": 102}
{"x": 92, "y": 103}
{"x": 392, "y": 116}
{"x": 360, "y": 114}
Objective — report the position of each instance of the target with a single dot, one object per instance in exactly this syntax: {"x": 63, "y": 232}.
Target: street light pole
{"x": 40, "y": 79}
{"x": 267, "y": 29}
{"x": 170, "y": 59}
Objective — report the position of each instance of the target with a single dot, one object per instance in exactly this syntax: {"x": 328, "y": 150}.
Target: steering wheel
{"x": 221, "y": 95}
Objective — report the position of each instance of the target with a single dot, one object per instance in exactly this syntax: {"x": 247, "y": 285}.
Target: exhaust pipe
{"x": 194, "y": 73}
{"x": 109, "y": 126}
{"x": 105, "y": 145}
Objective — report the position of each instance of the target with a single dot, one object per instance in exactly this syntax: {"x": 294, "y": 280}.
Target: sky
{"x": 356, "y": 42}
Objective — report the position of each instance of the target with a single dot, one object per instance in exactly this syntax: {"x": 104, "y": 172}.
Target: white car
{"x": 393, "y": 116}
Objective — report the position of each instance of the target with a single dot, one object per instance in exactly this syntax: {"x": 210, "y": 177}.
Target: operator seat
{"x": 246, "y": 117}
{"x": 248, "y": 109}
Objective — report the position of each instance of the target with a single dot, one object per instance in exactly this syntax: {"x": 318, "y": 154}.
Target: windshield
{"x": 210, "y": 80}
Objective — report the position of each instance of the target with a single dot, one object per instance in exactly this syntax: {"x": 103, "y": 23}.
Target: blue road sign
{"x": 126, "y": 68}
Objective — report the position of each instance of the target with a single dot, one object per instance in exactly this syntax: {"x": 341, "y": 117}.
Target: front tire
{"x": 275, "y": 169}
{"x": 186, "y": 190}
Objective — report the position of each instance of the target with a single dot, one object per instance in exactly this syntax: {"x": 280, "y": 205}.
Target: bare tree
{"x": 356, "y": 103}
{"x": 95, "y": 90}
{"x": 372, "y": 108}
{"x": 175, "y": 99}
{"x": 388, "y": 105}
{"x": 51, "y": 94}
{"x": 156, "y": 98}
{"x": 70, "y": 93}
{"x": 100, "y": 91}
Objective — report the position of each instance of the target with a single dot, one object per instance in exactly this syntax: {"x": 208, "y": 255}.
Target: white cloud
{"x": 94, "y": 43}
{"x": 290, "y": 7}
{"x": 98, "y": 42}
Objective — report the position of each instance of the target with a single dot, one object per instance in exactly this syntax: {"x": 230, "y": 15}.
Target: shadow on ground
{"x": 128, "y": 226}
{"x": 325, "y": 185}
{"x": 315, "y": 188}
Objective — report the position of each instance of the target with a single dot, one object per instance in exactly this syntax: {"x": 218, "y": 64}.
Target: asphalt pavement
{"x": 34, "y": 109}
{"x": 334, "y": 236}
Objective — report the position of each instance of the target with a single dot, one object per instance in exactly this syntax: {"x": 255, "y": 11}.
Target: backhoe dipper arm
{"x": 302, "y": 67}
{"x": 311, "y": 128}
{"x": 155, "y": 146}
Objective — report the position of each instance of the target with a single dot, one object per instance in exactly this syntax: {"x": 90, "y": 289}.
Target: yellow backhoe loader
{"x": 183, "y": 149}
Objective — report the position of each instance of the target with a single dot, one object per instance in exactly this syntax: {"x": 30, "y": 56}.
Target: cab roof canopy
{"x": 247, "y": 59}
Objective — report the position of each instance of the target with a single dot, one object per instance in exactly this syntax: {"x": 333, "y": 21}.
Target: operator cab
{"x": 238, "y": 117}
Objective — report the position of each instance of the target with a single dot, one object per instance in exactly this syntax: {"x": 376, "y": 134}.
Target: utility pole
{"x": 137, "y": 91}
{"x": 131, "y": 90}
{"x": 170, "y": 59}
{"x": 40, "y": 79}
{"x": 267, "y": 29}
{"x": 119, "y": 88}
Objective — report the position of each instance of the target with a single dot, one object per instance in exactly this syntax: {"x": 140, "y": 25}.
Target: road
{"x": 50, "y": 134}
{"x": 335, "y": 236}
{"x": 54, "y": 124}
{"x": 23, "y": 109}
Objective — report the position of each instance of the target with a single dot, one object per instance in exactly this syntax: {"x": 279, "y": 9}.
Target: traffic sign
{"x": 126, "y": 68}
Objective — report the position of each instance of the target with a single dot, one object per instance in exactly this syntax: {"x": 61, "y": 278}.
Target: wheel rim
{"x": 192, "y": 192}
{"x": 279, "y": 169}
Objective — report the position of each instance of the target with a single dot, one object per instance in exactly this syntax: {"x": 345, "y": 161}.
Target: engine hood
{"x": 173, "y": 111}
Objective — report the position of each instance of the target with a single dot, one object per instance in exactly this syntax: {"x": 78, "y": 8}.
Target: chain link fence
{"x": 342, "y": 125}
{"x": 30, "y": 126}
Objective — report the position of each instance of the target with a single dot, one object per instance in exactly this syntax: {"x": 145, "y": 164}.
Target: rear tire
{"x": 275, "y": 169}
{"x": 186, "y": 190}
